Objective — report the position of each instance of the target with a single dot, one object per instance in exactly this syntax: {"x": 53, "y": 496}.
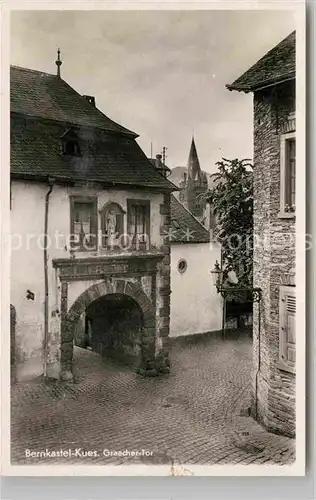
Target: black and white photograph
{"x": 156, "y": 260}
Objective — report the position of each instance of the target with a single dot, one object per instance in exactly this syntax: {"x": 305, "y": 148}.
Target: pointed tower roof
{"x": 194, "y": 169}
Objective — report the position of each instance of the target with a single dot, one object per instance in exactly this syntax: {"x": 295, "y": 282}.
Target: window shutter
{"x": 287, "y": 325}
{"x": 131, "y": 219}
{"x": 84, "y": 217}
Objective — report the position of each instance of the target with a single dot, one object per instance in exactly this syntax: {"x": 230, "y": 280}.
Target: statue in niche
{"x": 111, "y": 224}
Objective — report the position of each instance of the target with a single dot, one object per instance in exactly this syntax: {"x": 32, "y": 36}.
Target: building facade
{"x": 272, "y": 82}
{"x": 90, "y": 252}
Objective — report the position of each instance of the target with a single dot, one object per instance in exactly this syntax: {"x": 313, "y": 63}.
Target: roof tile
{"x": 185, "y": 227}
{"x": 34, "y": 93}
{"x": 36, "y": 153}
{"x": 43, "y": 107}
{"x": 276, "y": 66}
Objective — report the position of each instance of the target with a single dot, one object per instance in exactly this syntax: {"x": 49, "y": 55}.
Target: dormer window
{"x": 71, "y": 148}
{"x": 70, "y": 143}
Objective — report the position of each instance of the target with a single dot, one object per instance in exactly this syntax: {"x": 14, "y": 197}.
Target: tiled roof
{"x": 163, "y": 166}
{"x": 43, "y": 108}
{"x": 34, "y": 93}
{"x": 276, "y": 66}
{"x": 105, "y": 158}
{"x": 185, "y": 227}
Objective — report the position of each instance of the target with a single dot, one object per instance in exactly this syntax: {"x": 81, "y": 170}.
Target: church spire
{"x": 194, "y": 169}
{"x": 58, "y": 62}
{"x": 194, "y": 185}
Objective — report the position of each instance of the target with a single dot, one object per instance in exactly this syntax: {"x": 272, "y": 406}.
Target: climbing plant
{"x": 232, "y": 200}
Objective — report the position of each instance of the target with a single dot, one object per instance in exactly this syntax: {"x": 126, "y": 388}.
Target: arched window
{"x": 112, "y": 224}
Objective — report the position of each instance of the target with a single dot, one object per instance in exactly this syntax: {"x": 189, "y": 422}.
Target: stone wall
{"x": 163, "y": 291}
{"x": 273, "y": 401}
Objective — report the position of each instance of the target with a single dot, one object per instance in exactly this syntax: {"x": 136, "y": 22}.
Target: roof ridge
{"x": 29, "y": 70}
{"x": 190, "y": 213}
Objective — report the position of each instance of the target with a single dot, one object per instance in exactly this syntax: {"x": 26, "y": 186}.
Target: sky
{"x": 161, "y": 74}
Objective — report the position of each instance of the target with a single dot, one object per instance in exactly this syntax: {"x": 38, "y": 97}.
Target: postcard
{"x": 153, "y": 271}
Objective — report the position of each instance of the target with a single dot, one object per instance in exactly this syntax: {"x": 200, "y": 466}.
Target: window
{"x": 287, "y": 312}
{"x": 138, "y": 222}
{"x": 70, "y": 143}
{"x": 288, "y": 175}
{"x": 182, "y": 266}
{"x": 71, "y": 148}
{"x": 112, "y": 224}
{"x": 83, "y": 216}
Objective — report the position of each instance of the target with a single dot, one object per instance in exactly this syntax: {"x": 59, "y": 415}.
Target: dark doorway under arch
{"x": 142, "y": 351}
{"x": 113, "y": 327}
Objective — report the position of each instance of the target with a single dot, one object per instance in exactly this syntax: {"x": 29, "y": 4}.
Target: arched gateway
{"x": 114, "y": 289}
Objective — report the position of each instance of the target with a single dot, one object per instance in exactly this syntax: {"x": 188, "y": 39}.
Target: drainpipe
{"x": 51, "y": 184}
{"x": 259, "y": 360}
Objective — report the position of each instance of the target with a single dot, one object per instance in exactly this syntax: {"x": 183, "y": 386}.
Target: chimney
{"x": 158, "y": 161}
{"x": 161, "y": 167}
{"x": 90, "y": 99}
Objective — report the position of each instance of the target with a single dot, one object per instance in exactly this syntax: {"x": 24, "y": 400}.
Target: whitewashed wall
{"x": 195, "y": 305}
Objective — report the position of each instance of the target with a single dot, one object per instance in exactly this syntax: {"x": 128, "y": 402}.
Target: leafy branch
{"x": 232, "y": 201}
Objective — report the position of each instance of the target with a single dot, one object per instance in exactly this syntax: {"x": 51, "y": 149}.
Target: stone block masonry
{"x": 139, "y": 340}
{"x": 164, "y": 291}
{"x": 273, "y": 401}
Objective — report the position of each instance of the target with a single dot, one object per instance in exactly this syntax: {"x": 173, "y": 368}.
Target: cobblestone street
{"x": 193, "y": 415}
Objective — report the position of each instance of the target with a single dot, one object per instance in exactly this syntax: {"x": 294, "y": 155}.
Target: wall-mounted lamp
{"x": 217, "y": 276}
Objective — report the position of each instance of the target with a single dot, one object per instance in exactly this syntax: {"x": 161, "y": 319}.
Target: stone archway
{"x": 129, "y": 288}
